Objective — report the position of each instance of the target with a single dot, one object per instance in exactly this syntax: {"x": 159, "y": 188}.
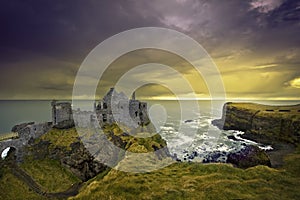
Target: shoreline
{"x": 279, "y": 152}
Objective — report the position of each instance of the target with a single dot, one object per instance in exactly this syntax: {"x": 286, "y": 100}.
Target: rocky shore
{"x": 278, "y": 126}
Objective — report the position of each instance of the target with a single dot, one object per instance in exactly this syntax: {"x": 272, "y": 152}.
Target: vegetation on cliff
{"x": 199, "y": 181}
{"x": 141, "y": 142}
{"x": 265, "y": 123}
{"x": 58, "y": 160}
{"x": 13, "y": 188}
{"x": 50, "y": 174}
{"x": 249, "y": 156}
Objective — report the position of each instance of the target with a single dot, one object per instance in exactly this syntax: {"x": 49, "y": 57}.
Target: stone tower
{"x": 62, "y": 116}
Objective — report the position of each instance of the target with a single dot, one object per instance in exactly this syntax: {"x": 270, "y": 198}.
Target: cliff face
{"x": 65, "y": 146}
{"x": 272, "y": 123}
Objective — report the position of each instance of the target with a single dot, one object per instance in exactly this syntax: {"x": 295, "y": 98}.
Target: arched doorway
{"x": 8, "y": 153}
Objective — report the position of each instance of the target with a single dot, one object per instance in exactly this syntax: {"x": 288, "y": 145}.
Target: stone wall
{"x": 27, "y": 133}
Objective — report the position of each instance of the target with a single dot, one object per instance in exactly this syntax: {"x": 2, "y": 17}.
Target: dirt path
{"x": 22, "y": 175}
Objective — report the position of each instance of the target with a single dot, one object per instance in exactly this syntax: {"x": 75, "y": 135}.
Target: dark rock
{"x": 248, "y": 157}
{"x": 215, "y": 157}
{"x": 218, "y": 123}
{"x": 78, "y": 159}
{"x": 193, "y": 155}
{"x": 19, "y": 127}
{"x": 81, "y": 162}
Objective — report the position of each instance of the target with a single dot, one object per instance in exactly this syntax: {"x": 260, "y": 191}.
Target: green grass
{"x": 12, "y": 188}
{"x": 195, "y": 181}
{"x": 50, "y": 174}
{"x": 60, "y": 137}
{"x": 199, "y": 181}
{"x": 136, "y": 144}
{"x": 292, "y": 163}
{"x": 255, "y": 106}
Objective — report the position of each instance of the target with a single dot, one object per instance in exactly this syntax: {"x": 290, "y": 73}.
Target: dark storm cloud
{"x": 65, "y": 29}
{"x": 44, "y": 41}
{"x": 70, "y": 28}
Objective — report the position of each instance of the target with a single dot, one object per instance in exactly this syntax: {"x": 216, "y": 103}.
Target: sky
{"x": 254, "y": 43}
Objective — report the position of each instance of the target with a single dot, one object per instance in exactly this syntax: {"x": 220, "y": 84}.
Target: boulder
{"x": 19, "y": 127}
{"x": 248, "y": 157}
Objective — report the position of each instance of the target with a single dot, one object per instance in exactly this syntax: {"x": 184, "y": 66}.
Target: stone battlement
{"x": 116, "y": 107}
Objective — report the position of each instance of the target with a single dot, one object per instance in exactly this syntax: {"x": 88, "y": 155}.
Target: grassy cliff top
{"x": 199, "y": 181}
{"x": 261, "y": 107}
{"x": 284, "y": 112}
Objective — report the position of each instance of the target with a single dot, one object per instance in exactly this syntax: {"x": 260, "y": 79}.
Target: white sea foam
{"x": 202, "y": 143}
{"x": 266, "y": 148}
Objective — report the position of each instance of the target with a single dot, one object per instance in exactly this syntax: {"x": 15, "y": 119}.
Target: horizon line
{"x": 164, "y": 99}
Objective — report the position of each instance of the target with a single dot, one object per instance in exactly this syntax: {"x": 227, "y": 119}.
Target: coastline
{"x": 277, "y": 126}
{"x": 278, "y": 153}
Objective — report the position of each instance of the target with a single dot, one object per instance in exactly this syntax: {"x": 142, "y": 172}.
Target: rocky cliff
{"x": 261, "y": 122}
{"x": 65, "y": 146}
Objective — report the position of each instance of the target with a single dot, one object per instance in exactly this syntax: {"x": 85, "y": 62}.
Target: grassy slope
{"x": 47, "y": 172}
{"x": 196, "y": 181}
{"x": 13, "y": 188}
{"x": 61, "y": 137}
{"x": 50, "y": 174}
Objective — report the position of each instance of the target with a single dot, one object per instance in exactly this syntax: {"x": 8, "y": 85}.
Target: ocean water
{"x": 185, "y": 125}
{"x": 14, "y": 112}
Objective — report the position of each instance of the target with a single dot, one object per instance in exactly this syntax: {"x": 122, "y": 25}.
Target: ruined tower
{"x": 62, "y": 116}
{"x": 116, "y": 107}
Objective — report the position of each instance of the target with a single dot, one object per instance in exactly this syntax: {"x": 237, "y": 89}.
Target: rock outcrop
{"x": 265, "y": 123}
{"x": 76, "y": 158}
{"x": 66, "y": 147}
{"x": 248, "y": 157}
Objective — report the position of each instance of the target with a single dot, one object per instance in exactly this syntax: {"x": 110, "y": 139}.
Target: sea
{"x": 185, "y": 125}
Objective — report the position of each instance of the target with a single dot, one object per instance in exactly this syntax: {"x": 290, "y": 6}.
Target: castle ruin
{"x": 116, "y": 107}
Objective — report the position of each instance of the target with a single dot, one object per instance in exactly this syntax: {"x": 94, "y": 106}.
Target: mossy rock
{"x": 248, "y": 157}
